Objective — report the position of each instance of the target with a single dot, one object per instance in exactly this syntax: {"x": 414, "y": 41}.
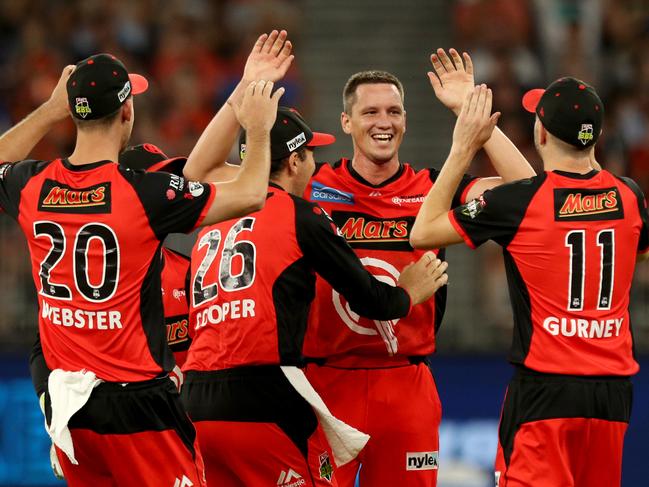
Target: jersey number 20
{"x": 90, "y": 231}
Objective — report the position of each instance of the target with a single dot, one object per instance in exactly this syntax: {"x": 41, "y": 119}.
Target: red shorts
{"x": 558, "y": 430}
{"x": 133, "y": 435}
{"x": 399, "y": 408}
{"x": 254, "y": 429}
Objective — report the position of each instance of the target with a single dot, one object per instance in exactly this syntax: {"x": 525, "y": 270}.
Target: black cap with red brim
{"x": 150, "y": 158}
{"x": 99, "y": 85}
{"x": 569, "y": 109}
{"x": 289, "y": 133}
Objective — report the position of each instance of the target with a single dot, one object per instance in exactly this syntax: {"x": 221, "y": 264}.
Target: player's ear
{"x": 127, "y": 110}
{"x": 345, "y": 123}
{"x": 293, "y": 163}
{"x": 405, "y": 120}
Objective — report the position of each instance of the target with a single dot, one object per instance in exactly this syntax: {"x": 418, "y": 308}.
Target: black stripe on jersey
{"x": 13, "y": 178}
{"x": 643, "y": 243}
{"x": 293, "y": 292}
{"x": 522, "y": 308}
{"x": 363, "y": 231}
{"x": 440, "y": 297}
{"x": 533, "y": 396}
{"x": 259, "y": 394}
{"x": 152, "y": 315}
{"x": 502, "y": 211}
{"x": 136, "y": 407}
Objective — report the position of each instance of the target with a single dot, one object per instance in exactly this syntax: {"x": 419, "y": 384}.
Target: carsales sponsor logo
{"x": 320, "y": 192}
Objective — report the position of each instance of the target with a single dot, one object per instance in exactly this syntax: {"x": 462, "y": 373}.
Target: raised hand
{"x": 258, "y": 107}
{"x": 475, "y": 123}
{"x": 57, "y": 104}
{"x": 452, "y": 78}
{"x": 270, "y": 57}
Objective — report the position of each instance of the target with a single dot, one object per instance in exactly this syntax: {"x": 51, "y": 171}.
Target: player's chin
{"x": 382, "y": 156}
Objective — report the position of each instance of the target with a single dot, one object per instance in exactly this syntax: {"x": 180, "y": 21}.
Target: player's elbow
{"x": 190, "y": 173}
{"x": 251, "y": 201}
{"x": 419, "y": 239}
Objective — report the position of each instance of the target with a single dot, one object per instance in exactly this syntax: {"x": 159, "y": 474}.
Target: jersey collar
{"x": 83, "y": 167}
{"x": 576, "y": 175}
{"x": 362, "y": 180}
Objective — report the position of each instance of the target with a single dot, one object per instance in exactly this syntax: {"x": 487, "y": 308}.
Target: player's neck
{"x": 558, "y": 161}
{"x": 95, "y": 146}
{"x": 373, "y": 172}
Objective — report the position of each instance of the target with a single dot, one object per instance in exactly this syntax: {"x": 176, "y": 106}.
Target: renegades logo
{"x": 369, "y": 232}
{"x": 587, "y": 204}
{"x": 57, "y": 197}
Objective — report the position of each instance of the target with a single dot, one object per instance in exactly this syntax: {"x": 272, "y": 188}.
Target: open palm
{"x": 452, "y": 78}
{"x": 270, "y": 57}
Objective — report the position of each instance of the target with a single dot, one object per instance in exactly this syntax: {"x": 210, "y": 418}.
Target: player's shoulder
{"x": 629, "y": 183}
{"x": 25, "y": 168}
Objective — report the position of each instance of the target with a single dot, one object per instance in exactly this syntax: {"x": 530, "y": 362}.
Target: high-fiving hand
{"x": 452, "y": 78}
{"x": 475, "y": 123}
{"x": 258, "y": 107}
{"x": 270, "y": 57}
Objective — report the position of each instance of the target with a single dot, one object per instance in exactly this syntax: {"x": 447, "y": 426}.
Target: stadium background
{"x": 193, "y": 52}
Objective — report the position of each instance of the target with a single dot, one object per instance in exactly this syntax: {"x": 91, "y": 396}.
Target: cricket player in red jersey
{"x": 94, "y": 230}
{"x": 253, "y": 280}
{"x": 571, "y": 237}
{"x": 360, "y": 364}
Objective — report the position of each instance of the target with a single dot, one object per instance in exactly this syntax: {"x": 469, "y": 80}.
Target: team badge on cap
{"x": 82, "y": 108}
{"x": 586, "y": 133}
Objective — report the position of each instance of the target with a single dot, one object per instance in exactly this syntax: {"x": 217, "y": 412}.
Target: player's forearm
{"x": 17, "y": 142}
{"x": 439, "y": 198}
{"x": 506, "y": 159}
{"x": 211, "y": 151}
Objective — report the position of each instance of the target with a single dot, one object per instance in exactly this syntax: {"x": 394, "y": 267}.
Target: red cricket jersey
{"x": 376, "y": 221}
{"x": 175, "y": 273}
{"x": 570, "y": 243}
{"x": 253, "y": 280}
{"x": 94, "y": 232}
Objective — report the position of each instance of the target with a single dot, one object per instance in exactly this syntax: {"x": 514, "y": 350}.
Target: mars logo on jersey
{"x": 177, "y": 329}
{"x": 364, "y": 231}
{"x": 587, "y": 204}
{"x": 59, "y": 198}
{"x": 320, "y": 192}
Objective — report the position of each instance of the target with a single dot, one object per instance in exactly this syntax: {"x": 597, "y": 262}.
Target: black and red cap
{"x": 289, "y": 133}
{"x": 569, "y": 109}
{"x": 150, "y": 158}
{"x": 99, "y": 85}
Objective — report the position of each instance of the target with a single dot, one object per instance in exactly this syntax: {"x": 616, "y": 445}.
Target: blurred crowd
{"x": 193, "y": 52}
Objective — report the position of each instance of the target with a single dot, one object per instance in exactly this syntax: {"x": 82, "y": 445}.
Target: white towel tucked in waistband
{"x": 346, "y": 441}
{"x": 69, "y": 391}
